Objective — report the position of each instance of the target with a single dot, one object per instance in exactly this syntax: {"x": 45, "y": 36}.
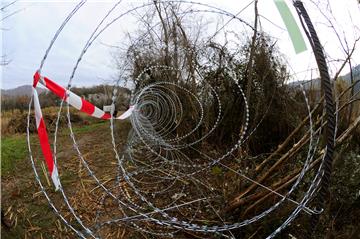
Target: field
{"x": 27, "y": 214}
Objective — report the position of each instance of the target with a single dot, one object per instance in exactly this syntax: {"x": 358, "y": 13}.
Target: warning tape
{"x": 75, "y": 101}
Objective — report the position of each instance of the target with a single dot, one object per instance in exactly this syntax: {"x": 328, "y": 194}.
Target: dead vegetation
{"x": 15, "y": 121}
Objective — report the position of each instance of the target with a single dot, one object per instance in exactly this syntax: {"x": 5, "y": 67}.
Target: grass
{"x": 88, "y": 128}
{"x": 13, "y": 149}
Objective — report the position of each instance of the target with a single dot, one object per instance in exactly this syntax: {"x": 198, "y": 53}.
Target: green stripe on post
{"x": 291, "y": 26}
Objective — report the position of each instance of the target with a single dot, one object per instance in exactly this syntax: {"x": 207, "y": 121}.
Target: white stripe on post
{"x": 37, "y": 108}
{"x": 74, "y": 100}
{"x": 55, "y": 178}
{"x": 42, "y": 81}
{"x": 98, "y": 113}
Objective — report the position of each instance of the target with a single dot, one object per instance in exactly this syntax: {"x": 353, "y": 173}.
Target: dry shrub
{"x": 17, "y": 122}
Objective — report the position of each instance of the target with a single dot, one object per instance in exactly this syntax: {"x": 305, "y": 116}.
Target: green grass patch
{"x": 88, "y": 128}
{"x": 13, "y": 149}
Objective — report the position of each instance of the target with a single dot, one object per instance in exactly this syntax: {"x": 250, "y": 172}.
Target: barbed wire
{"x": 157, "y": 180}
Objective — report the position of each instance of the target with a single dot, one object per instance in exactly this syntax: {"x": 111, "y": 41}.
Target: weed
{"x": 13, "y": 149}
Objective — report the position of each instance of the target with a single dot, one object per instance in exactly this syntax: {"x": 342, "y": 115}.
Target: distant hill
{"x": 316, "y": 83}
{"x": 356, "y": 75}
{"x": 19, "y": 91}
{"x": 309, "y": 84}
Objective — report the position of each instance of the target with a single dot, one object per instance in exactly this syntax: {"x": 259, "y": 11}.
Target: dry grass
{"x": 15, "y": 121}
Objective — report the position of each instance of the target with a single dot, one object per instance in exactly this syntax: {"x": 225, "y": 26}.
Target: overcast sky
{"x": 27, "y": 34}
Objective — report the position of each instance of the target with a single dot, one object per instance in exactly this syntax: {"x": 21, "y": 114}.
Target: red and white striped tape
{"x": 75, "y": 101}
